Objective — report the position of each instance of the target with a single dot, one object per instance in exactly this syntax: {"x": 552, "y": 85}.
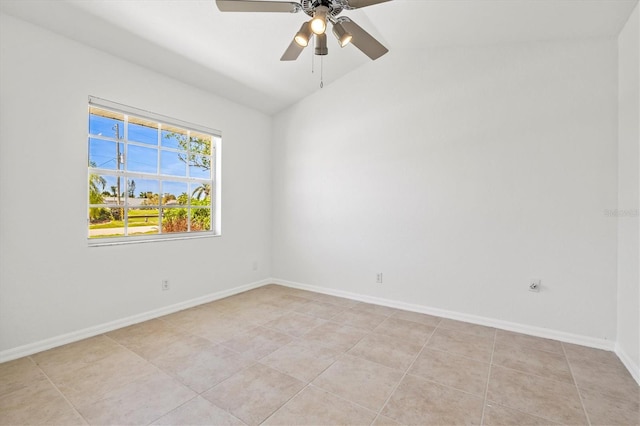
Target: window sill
{"x": 117, "y": 241}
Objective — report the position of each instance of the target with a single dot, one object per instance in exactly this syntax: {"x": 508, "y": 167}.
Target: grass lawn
{"x": 136, "y": 218}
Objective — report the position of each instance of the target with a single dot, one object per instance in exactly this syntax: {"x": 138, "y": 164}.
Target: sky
{"x": 141, "y": 156}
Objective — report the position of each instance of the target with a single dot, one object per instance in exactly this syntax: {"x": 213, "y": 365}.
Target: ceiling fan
{"x": 320, "y": 11}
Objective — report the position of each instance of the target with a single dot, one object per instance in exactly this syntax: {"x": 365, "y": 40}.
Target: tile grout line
{"x": 73, "y": 407}
{"x": 395, "y": 388}
{"x": 573, "y": 377}
{"x": 486, "y": 390}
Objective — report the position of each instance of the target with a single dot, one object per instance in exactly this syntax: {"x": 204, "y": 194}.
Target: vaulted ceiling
{"x": 237, "y": 55}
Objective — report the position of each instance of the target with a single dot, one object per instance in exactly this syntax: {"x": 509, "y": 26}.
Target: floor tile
{"x": 71, "y": 357}
{"x": 291, "y": 356}
{"x": 140, "y": 401}
{"x": 403, "y": 329}
{"x": 258, "y": 342}
{"x": 610, "y": 378}
{"x": 421, "y": 402}
{"x": 321, "y": 309}
{"x": 374, "y": 309}
{"x": 147, "y": 338}
{"x": 452, "y": 370}
{"x": 604, "y": 410}
{"x": 497, "y": 415}
{"x": 314, "y": 407}
{"x": 532, "y": 361}
{"x": 302, "y": 359}
{"x": 363, "y": 382}
{"x": 199, "y": 363}
{"x": 224, "y": 328}
{"x": 335, "y": 300}
{"x": 38, "y": 404}
{"x": 198, "y": 412}
{"x": 255, "y": 393}
{"x": 335, "y": 336}
{"x": 91, "y": 382}
{"x": 576, "y": 353}
{"x": 389, "y": 351}
{"x": 418, "y": 317}
{"x": 18, "y": 374}
{"x": 195, "y": 317}
{"x": 465, "y": 327}
{"x": 517, "y": 339}
{"x": 295, "y": 324}
{"x": 256, "y": 315}
{"x": 359, "y": 319}
{"x": 288, "y": 302}
{"x": 465, "y": 344}
{"x": 384, "y": 421}
{"x": 551, "y": 399}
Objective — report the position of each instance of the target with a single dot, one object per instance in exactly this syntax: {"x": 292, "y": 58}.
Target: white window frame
{"x": 216, "y": 173}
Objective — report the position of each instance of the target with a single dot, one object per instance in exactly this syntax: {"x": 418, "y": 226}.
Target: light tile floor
{"x": 277, "y": 356}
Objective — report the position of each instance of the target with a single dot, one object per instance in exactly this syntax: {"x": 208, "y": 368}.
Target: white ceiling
{"x": 236, "y": 55}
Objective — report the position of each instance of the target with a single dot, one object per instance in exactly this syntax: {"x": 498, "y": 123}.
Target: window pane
{"x": 141, "y": 159}
{"x": 103, "y": 189}
{"x": 201, "y": 193}
{"x": 173, "y": 163}
{"x": 143, "y": 221}
{"x": 174, "y": 220}
{"x": 142, "y": 192}
{"x": 200, "y": 143}
{"x": 174, "y": 193}
{"x": 103, "y": 154}
{"x": 173, "y": 137}
{"x": 144, "y": 131}
{"x": 200, "y": 167}
{"x": 105, "y": 123}
{"x": 200, "y": 219}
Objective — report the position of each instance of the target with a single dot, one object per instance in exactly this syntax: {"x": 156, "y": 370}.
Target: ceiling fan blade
{"x": 292, "y": 52}
{"x": 356, "y": 4}
{"x": 257, "y": 6}
{"x": 364, "y": 41}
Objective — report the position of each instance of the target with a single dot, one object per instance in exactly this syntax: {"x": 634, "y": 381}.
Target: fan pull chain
{"x": 321, "y": 72}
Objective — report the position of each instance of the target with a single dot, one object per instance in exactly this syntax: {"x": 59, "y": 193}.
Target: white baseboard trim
{"x": 74, "y": 336}
{"x": 474, "y": 319}
{"x": 628, "y": 362}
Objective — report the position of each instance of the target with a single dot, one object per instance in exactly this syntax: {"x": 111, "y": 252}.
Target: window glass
{"x": 148, "y": 177}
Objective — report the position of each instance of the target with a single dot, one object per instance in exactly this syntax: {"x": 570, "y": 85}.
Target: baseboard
{"x": 628, "y": 362}
{"x": 63, "y": 339}
{"x": 474, "y": 319}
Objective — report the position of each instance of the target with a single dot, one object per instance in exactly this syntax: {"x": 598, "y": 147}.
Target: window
{"x": 150, "y": 177}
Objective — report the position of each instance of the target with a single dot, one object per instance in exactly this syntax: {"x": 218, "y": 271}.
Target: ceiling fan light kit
{"x": 319, "y": 21}
{"x": 344, "y": 37}
{"x": 303, "y": 36}
{"x": 320, "y": 11}
{"x": 321, "y": 45}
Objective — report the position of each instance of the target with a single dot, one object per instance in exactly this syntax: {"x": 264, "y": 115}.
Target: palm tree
{"x": 96, "y": 186}
{"x": 203, "y": 191}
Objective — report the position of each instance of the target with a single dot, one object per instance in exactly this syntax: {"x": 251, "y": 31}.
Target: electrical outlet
{"x": 379, "y": 278}
{"x": 534, "y": 285}
{"x": 165, "y": 285}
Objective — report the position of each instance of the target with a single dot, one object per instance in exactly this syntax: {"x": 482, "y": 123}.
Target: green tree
{"x": 96, "y": 191}
{"x": 203, "y": 191}
{"x": 132, "y": 188}
{"x": 198, "y": 150}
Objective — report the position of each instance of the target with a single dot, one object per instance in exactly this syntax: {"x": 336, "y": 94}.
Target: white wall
{"x": 628, "y": 194}
{"x": 51, "y": 283}
{"x": 460, "y": 174}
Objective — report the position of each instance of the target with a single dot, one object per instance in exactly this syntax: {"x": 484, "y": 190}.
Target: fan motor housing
{"x": 335, "y": 6}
